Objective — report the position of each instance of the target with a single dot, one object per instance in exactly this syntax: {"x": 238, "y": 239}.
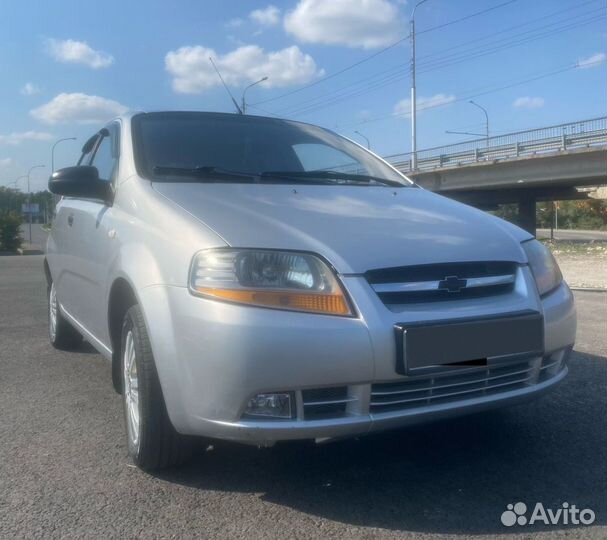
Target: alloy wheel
{"x": 131, "y": 391}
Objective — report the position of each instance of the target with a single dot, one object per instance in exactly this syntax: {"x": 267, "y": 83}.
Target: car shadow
{"x": 450, "y": 477}
{"x": 86, "y": 348}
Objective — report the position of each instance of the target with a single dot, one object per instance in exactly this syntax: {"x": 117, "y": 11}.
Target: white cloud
{"x": 592, "y": 61}
{"x": 269, "y": 16}
{"x": 193, "y": 73}
{"x": 5, "y": 162}
{"x": 234, "y": 23}
{"x": 355, "y": 23}
{"x": 70, "y": 51}
{"x": 18, "y": 138}
{"x": 29, "y": 89}
{"x": 78, "y": 108}
{"x": 403, "y": 107}
{"x": 527, "y": 102}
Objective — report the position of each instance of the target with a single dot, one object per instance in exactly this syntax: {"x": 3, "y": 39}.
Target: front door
{"x": 91, "y": 227}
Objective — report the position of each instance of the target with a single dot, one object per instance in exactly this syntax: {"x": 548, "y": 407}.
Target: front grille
{"x": 451, "y": 386}
{"x": 445, "y": 281}
{"x": 319, "y": 403}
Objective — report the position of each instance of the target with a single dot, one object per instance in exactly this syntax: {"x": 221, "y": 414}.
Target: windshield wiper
{"x": 207, "y": 173}
{"x": 332, "y": 175}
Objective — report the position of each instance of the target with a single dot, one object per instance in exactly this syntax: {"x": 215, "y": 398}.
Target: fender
{"x": 136, "y": 265}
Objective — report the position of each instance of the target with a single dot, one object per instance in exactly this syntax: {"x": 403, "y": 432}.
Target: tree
{"x": 10, "y": 235}
{"x": 11, "y": 200}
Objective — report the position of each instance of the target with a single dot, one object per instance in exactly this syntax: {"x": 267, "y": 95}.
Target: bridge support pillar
{"x": 526, "y": 212}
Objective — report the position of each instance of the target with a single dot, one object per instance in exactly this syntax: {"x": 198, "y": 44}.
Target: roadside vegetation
{"x": 589, "y": 214}
{"x": 12, "y": 200}
{"x": 10, "y": 236}
{"x": 11, "y": 218}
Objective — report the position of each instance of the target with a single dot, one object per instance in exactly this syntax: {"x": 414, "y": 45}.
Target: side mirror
{"x": 81, "y": 181}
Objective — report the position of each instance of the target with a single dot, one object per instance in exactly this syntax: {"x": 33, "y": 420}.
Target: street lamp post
{"x": 413, "y": 103}
{"x": 364, "y": 137}
{"x": 29, "y": 199}
{"x": 244, "y": 103}
{"x": 486, "y": 118}
{"x": 53, "y": 151}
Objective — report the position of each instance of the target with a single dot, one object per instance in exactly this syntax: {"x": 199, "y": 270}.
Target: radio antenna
{"x": 238, "y": 109}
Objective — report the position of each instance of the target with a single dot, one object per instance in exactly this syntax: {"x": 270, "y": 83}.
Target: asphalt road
{"x": 64, "y": 471}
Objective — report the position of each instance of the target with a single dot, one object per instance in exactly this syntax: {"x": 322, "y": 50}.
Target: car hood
{"x": 357, "y": 228}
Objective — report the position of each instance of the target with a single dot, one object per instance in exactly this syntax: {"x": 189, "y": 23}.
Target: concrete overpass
{"x": 560, "y": 162}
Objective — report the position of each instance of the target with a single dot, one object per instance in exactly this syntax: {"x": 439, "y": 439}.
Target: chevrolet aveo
{"x": 259, "y": 280}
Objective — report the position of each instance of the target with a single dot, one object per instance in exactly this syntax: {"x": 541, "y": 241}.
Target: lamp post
{"x": 413, "y": 103}
{"x": 364, "y": 137}
{"x": 486, "y": 118}
{"x": 53, "y": 151}
{"x": 29, "y": 199}
{"x": 16, "y": 180}
{"x": 244, "y": 103}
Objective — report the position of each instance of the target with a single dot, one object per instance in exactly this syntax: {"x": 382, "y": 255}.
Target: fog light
{"x": 270, "y": 405}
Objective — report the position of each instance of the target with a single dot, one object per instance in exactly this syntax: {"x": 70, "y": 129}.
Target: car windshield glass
{"x": 227, "y": 147}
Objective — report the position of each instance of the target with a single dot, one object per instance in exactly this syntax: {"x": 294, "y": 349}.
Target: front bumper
{"x": 212, "y": 357}
{"x": 263, "y": 432}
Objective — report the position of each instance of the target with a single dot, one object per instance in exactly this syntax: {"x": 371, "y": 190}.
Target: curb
{"x": 589, "y": 289}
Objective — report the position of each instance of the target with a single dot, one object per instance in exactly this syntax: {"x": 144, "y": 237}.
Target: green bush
{"x": 10, "y": 235}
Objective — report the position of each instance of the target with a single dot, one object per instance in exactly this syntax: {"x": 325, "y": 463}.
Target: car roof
{"x": 129, "y": 116}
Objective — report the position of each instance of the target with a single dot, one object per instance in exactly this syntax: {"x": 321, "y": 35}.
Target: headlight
{"x": 268, "y": 278}
{"x": 543, "y": 266}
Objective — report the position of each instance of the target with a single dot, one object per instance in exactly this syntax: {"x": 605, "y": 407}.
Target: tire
{"x": 152, "y": 440}
{"x": 62, "y": 334}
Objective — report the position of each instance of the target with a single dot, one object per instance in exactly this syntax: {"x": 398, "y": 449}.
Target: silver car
{"x": 259, "y": 280}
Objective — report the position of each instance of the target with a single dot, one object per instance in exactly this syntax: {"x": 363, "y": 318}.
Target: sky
{"x": 67, "y": 67}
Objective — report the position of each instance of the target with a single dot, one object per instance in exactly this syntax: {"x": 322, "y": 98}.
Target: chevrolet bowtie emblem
{"x": 452, "y": 284}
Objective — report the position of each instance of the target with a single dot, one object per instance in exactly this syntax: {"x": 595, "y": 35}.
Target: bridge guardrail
{"x": 530, "y": 142}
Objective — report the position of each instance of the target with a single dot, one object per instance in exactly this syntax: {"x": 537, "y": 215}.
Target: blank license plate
{"x": 443, "y": 343}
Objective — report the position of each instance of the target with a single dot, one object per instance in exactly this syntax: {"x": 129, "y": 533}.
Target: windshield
{"x": 235, "y": 148}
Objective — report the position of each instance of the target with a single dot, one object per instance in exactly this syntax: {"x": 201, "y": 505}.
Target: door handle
{"x": 70, "y": 220}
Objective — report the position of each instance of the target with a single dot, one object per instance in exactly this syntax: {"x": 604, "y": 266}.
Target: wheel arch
{"x": 121, "y": 297}
{"x": 47, "y": 272}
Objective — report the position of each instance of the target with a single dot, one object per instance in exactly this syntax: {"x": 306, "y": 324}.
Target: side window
{"x": 104, "y": 160}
